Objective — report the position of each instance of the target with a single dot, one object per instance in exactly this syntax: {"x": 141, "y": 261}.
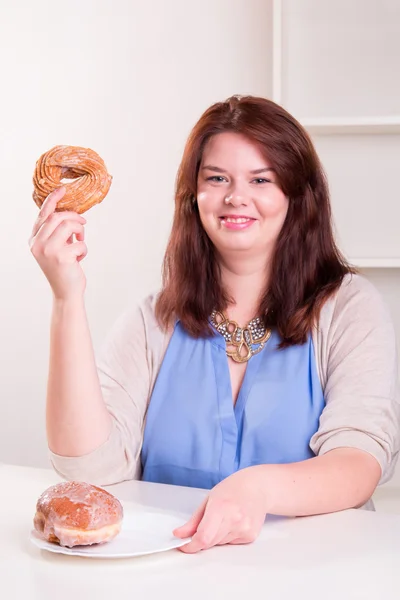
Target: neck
{"x": 245, "y": 280}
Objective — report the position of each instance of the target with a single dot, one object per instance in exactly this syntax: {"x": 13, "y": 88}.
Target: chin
{"x": 244, "y": 246}
{"x": 234, "y": 242}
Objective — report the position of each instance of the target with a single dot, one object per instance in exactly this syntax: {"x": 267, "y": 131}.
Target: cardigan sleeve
{"x": 124, "y": 373}
{"x": 361, "y": 386}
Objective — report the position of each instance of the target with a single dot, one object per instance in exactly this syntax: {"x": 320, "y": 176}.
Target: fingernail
{"x": 52, "y": 195}
{"x": 56, "y": 192}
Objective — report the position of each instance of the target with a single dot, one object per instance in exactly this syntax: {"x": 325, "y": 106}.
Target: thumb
{"x": 190, "y": 528}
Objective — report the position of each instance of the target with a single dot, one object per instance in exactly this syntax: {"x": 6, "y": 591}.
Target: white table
{"x": 343, "y": 556}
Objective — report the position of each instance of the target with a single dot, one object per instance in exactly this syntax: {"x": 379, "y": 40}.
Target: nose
{"x": 236, "y": 197}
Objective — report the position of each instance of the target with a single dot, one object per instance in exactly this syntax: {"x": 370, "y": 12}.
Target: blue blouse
{"x": 195, "y": 436}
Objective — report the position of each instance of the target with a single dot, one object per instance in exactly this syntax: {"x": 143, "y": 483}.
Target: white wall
{"x": 129, "y": 79}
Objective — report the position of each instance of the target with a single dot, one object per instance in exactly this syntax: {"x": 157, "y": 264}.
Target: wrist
{"x": 261, "y": 481}
{"x": 69, "y": 304}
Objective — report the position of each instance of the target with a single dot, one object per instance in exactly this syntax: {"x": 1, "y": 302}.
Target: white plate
{"x": 143, "y": 532}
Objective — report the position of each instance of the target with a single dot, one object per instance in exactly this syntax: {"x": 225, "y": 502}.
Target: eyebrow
{"x": 254, "y": 172}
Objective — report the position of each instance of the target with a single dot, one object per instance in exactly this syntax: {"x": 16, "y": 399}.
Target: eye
{"x": 260, "y": 180}
{"x": 216, "y": 178}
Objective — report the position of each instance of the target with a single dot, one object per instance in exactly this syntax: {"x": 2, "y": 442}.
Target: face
{"x": 241, "y": 205}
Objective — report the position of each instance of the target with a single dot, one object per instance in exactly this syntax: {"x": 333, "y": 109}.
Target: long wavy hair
{"x": 306, "y": 266}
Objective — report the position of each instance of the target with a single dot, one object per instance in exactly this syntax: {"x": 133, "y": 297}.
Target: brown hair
{"x": 306, "y": 267}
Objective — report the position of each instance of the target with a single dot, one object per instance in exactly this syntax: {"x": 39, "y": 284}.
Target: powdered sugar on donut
{"x": 72, "y": 513}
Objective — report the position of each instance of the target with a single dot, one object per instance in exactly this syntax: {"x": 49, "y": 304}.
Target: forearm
{"x": 77, "y": 418}
{"x": 341, "y": 479}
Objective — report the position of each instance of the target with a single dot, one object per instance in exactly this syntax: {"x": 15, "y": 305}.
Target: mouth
{"x": 236, "y": 221}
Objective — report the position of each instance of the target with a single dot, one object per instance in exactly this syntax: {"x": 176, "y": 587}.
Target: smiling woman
{"x": 263, "y": 370}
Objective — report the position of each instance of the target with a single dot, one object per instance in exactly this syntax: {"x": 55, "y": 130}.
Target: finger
{"x": 208, "y": 531}
{"x": 200, "y": 541}
{"x": 189, "y": 528}
{"x": 69, "y": 254}
{"x": 241, "y": 541}
{"x": 80, "y": 237}
{"x": 64, "y": 232}
{"x": 47, "y": 208}
{"x": 230, "y": 538}
{"x": 76, "y": 237}
{"x": 79, "y": 250}
{"x": 50, "y": 203}
{"x": 240, "y": 537}
{"x": 227, "y": 532}
{"x": 54, "y": 221}
{"x": 83, "y": 255}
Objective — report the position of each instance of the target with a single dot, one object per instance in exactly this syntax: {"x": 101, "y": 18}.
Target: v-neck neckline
{"x": 246, "y": 385}
{"x": 248, "y": 378}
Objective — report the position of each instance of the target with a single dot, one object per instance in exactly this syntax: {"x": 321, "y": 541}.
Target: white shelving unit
{"x": 375, "y": 263}
{"x": 333, "y": 126}
{"x": 353, "y": 125}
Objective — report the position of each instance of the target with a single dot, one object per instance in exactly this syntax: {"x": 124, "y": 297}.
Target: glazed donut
{"x": 74, "y": 513}
{"x": 90, "y": 179}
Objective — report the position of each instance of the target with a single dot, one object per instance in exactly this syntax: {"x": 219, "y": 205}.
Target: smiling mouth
{"x": 236, "y": 219}
{"x": 236, "y": 223}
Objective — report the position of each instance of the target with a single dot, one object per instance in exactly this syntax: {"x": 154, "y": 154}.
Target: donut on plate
{"x": 75, "y": 513}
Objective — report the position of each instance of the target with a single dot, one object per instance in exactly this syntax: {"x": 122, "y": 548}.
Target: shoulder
{"x": 137, "y": 325}
{"x": 140, "y": 314}
{"x": 356, "y": 300}
{"x": 355, "y": 320}
{"x": 358, "y": 288}
{"x": 139, "y": 321}
{"x": 136, "y": 339}
{"x": 147, "y": 309}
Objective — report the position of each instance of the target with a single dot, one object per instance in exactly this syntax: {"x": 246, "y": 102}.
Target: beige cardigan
{"x": 355, "y": 352}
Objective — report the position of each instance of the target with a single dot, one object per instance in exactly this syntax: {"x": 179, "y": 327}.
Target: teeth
{"x": 241, "y": 220}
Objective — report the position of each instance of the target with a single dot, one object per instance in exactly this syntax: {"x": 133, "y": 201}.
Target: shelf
{"x": 376, "y": 263}
{"x": 361, "y": 125}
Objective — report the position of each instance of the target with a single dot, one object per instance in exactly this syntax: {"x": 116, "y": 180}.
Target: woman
{"x": 264, "y": 370}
